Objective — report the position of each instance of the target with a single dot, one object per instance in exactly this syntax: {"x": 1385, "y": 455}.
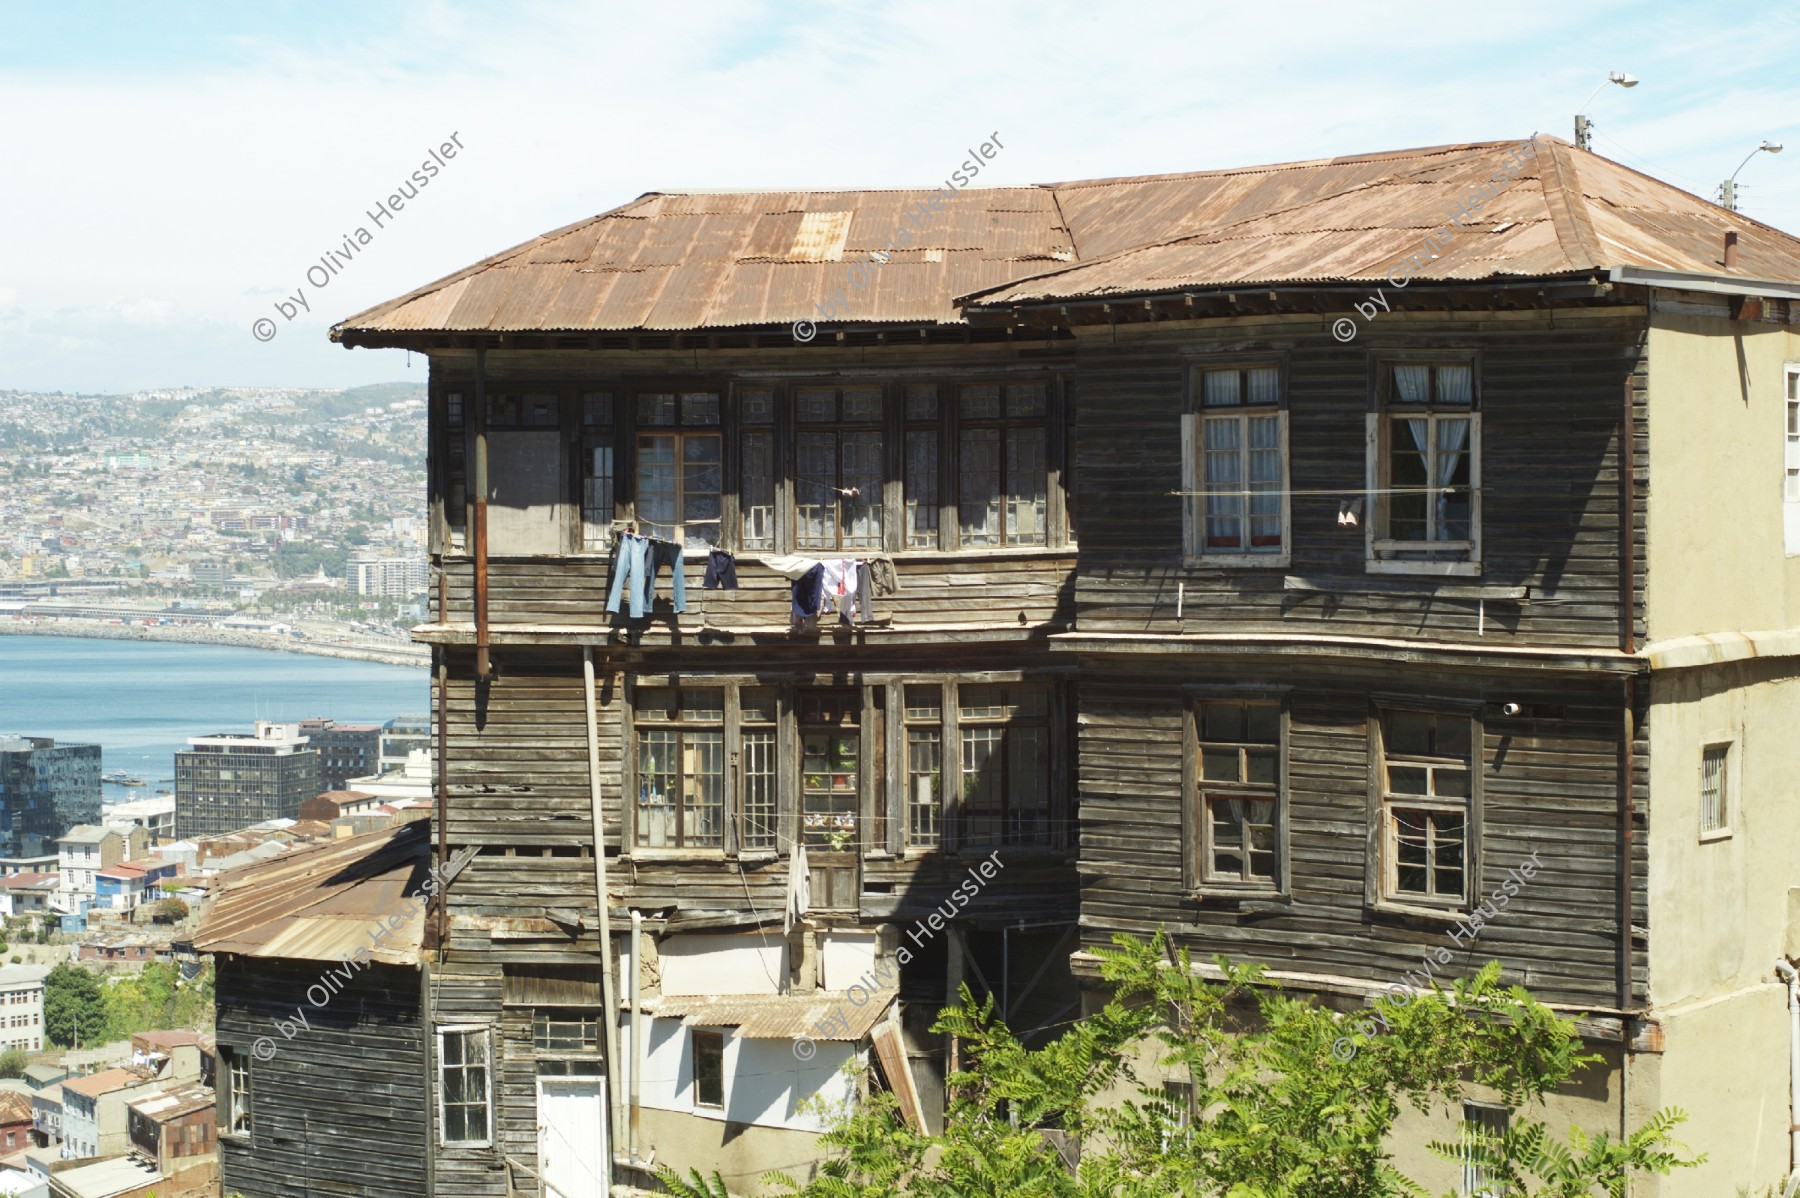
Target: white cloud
{"x": 168, "y": 208}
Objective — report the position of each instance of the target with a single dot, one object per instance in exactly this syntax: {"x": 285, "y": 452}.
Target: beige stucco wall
{"x": 1719, "y": 910}
{"x": 1716, "y": 559}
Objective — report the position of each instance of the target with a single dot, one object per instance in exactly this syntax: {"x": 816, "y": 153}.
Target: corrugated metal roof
{"x": 821, "y": 1015}
{"x": 1566, "y": 213}
{"x": 320, "y": 903}
{"x": 687, "y": 261}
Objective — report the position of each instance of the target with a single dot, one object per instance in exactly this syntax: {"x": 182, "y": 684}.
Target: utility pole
{"x": 1583, "y": 126}
{"x": 1728, "y": 189}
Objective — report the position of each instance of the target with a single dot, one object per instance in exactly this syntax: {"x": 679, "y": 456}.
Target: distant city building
{"x": 84, "y": 850}
{"x": 130, "y": 461}
{"x": 232, "y": 780}
{"x": 155, "y": 815}
{"x": 345, "y": 750}
{"x": 400, "y": 738}
{"x": 387, "y": 577}
{"x": 211, "y": 574}
{"x": 45, "y": 788}
{"x": 22, "y": 1002}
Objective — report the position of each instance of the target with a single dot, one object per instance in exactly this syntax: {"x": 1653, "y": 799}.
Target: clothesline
{"x": 1332, "y": 491}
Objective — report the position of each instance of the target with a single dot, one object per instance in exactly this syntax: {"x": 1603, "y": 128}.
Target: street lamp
{"x": 1582, "y": 124}
{"x": 1728, "y": 189}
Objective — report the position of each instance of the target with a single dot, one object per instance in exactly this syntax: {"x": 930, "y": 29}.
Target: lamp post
{"x": 1583, "y": 126}
{"x": 1728, "y": 189}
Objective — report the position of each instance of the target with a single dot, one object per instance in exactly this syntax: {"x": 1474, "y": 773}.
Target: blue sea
{"x": 141, "y": 700}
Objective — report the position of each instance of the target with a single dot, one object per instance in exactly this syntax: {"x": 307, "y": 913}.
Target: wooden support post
{"x": 479, "y": 533}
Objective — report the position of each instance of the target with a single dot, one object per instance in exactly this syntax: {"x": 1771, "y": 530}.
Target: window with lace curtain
{"x": 1235, "y": 466}
{"x": 1425, "y": 469}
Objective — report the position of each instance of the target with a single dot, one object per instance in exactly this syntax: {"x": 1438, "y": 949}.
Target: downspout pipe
{"x": 1787, "y": 974}
{"x": 609, "y": 994}
{"x": 479, "y": 533}
{"x": 637, "y": 1030}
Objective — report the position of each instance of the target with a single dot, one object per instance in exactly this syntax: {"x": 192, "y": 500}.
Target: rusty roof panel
{"x": 719, "y": 260}
{"x": 821, "y": 1015}
{"x": 323, "y": 902}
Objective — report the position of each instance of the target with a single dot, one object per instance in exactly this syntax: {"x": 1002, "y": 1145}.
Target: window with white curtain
{"x": 1236, "y": 466}
{"x": 1425, "y": 459}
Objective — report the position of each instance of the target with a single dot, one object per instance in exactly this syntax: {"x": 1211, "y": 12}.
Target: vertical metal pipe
{"x": 637, "y": 1030}
{"x": 441, "y": 659}
{"x": 609, "y": 997}
{"x": 1628, "y": 522}
{"x": 479, "y": 533}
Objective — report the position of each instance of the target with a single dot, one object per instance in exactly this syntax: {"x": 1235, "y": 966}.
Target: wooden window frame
{"x": 711, "y": 1036}
{"x": 642, "y": 722}
{"x": 1455, "y": 558}
{"x": 908, "y": 724}
{"x": 954, "y": 821}
{"x": 736, "y": 507}
{"x": 1003, "y": 423}
{"x": 1726, "y": 748}
{"x": 1195, "y": 416}
{"x": 239, "y": 1122}
{"x": 1196, "y": 829}
{"x": 486, "y": 1033}
{"x": 1382, "y": 874}
{"x": 837, "y": 428}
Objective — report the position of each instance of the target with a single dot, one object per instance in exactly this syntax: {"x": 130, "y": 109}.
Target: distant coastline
{"x": 400, "y": 655}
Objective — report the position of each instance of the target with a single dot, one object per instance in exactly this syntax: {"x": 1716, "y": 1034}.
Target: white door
{"x": 572, "y": 1152}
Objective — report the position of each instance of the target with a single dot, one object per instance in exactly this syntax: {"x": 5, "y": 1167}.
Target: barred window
{"x": 1005, "y": 732}
{"x": 680, "y": 768}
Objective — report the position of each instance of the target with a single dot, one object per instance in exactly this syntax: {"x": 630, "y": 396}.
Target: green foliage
{"x": 1284, "y": 1111}
{"x": 169, "y": 910}
{"x": 156, "y": 999}
{"x": 693, "y": 1185}
{"x": 73, "y": 1005}
{"x": 13, "y": 1062}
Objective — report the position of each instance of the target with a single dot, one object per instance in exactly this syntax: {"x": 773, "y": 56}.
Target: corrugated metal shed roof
{"x": 1567, "y": 212}
{"x": 823, "y": 1015}
{"x": 320, "y": 903}
{"x": 690, "y": 261}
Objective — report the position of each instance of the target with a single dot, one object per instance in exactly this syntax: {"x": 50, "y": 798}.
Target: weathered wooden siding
{"x": 1010, "y": 591}
{"x": 343, "y": 1106}
{"x": 1550, "y": 784}
{"x": 1551, "y": 393}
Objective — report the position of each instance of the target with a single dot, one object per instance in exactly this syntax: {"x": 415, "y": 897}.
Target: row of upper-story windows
{"x": 1425, "y": 801}
{"x": 1420, "y": 505}
{"x": 821, "y": 466}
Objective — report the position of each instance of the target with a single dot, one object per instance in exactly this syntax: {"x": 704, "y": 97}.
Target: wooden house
{"x": 1278, "y": 562}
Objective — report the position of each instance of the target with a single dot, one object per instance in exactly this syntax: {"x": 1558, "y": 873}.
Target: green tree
{"x": 73, "y": 1003}
{"x": 1297, "y": 1101}
{"x": 13, "y": 1062}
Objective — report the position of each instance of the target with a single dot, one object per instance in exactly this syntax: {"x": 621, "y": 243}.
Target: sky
{"x": 169, "y": 171}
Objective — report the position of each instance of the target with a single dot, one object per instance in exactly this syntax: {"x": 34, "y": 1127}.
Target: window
{"x": 709, "y": 1068}
{"x": 456, "y": 473}
{"x": 678, "y": 472}
{"x": 1715, "y": 792}
{"x": 237, "y": 1092}
{"x": 920, "y": 473}
{"x": 1002, "y": 464}
{"x": 838, "y": 467}
{"x": 830, "y": 742}
{"x": 1483, "y": 1127}
{"x": 1426, "y": 466}
{"x": 1238, "y": 792}
{"x": 680, "y": 768}
{"x": 1005, "y": 733}
{"x": 596, "y": 472}
{"x": 524, "y": 411}
{"x": 1237, "y": 467}
{"x": 756, "y": 439}
{"x": 1790, "y": 487}
{"x": 464, "y": 1093}
{"x": 756, "y": 739}
{"x": 1426, "y": 790}
{"x": 565, "y": 1030}
{"x": 924, "y": 765}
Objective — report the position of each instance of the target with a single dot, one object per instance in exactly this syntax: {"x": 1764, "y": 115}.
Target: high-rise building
{"x": 387, "y": 577}
{"x": 45, "y": 789}
{"x": 233, "y": 779}
{"x": 345, "y": 750}
{"x": 400, "y": 738}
